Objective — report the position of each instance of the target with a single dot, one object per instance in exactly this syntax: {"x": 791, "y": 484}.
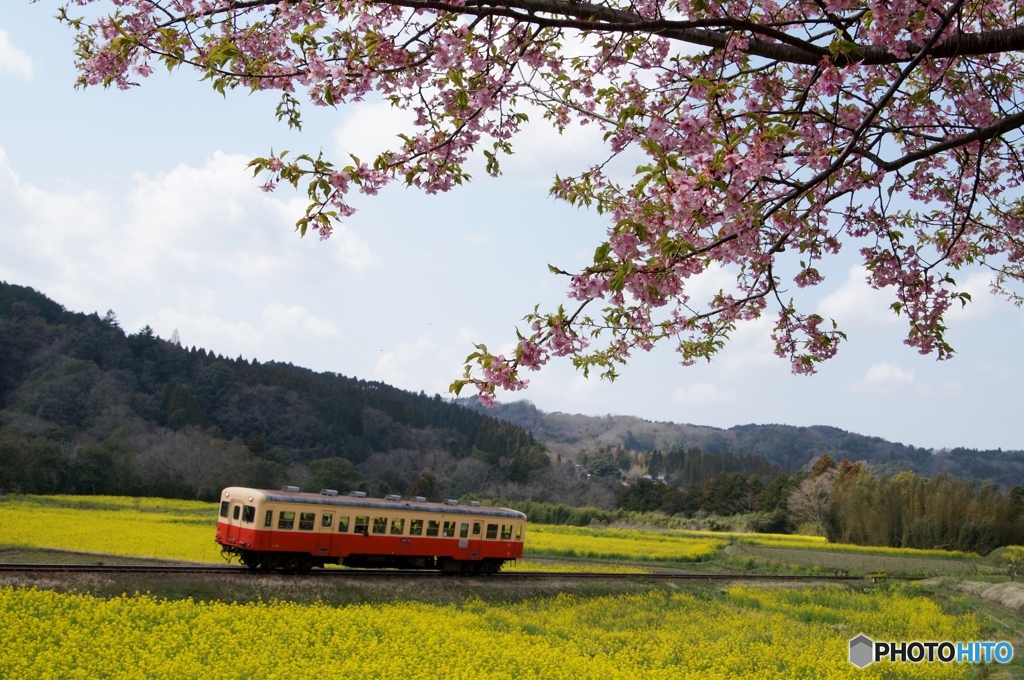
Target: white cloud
{"x": 539, "y": 151}
{"x": 421, "y": 364}
{"x": 214, "y": 218}
{"x": 54, "y": 237}
{"x": 200, "y": 249}
{"x": 856, "y": 302}
{"x": 297, "y": 322}
{"x": 13, "y": 61}
{"x": 209, "y": 331}
{"x": 190, "y": 229}
{"x": 701, "y": 393}
{"x": 279, "y": 326}
{"x": 370, "y": 128}
{"x": 983, "y": 303}
{"x": 885, "y": 378}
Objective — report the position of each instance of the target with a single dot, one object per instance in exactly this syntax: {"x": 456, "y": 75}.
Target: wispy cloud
{"x": 701, "y": 393}
{"x": 885, "y": 378}
{"x": 14, "y": 62}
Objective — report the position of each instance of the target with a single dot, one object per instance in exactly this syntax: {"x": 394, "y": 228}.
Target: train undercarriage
{"x": 304, "y": 562}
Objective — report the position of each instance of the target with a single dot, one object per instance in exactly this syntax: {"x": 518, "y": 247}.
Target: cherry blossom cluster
{"x": 773, "y": 135}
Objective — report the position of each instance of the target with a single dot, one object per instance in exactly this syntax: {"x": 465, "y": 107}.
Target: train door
{"x": 234, "y": 522}
{"x": 475, "y": 541}
{"x": 400, "y": 543}
{"x": 325, "y": 534}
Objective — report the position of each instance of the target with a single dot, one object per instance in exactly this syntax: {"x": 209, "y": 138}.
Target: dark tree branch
{"x": 772, "y": 42}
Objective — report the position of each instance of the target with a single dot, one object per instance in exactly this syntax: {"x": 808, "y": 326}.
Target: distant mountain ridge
{"x": 790, "y": 447}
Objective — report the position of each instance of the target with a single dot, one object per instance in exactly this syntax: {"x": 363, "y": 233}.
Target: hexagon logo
{"x": 862, "y": 651}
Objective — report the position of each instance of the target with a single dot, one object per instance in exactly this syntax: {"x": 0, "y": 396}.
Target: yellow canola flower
{"x": 745, "y": 633}
{"x": 630, "y": 544}
{"x": 168, "y": 535}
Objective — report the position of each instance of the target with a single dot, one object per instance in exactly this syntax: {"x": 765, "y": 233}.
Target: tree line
{"x": 847, "y": 503}
{"x": 88, "y": 408}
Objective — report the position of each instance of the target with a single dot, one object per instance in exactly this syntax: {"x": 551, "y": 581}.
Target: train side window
{"x": 269, "y": 520}
{"x": 398, "y": 526}
{"x": 343, "y": 525}
{"x": 238, "y": 509}
{"x": 306, "y": 521}
{"x": 476, "y": 528}
{"x": 449, "y": 530}
{"x": 506, "y": 532}
{"x": 432, "y": 527}
{"x": 416, "y": 527}
{"x": 286, "y": 520}
{"x": 464, "y": 530}
{"x": 362, "y": 525}
{"x": 519, "y": 532}
{"x": 249, "y": 514}
{"x": 492, "y": 531}
{"x": 380, "y": 525}
{"x": 224, "y": 505}
{"x": 327, "y": 520}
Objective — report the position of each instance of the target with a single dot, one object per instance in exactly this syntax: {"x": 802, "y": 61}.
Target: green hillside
{"x": 87, "y": 408}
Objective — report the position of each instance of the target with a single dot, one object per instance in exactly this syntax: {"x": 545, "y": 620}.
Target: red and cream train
{"x": 296, "y": 531}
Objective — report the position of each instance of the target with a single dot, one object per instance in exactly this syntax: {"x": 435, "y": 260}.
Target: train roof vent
{"x": 392, "y": 497}
{"x": 475, "y": 504}
{"x": 357, "y": 494}
{"x": 418, "y": 499}
{"x": 328, "y": 492}
{"x": 451, "y": 501}
{"x": 290, "y": 489}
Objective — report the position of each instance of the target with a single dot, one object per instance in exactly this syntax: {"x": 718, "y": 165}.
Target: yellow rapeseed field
{"x": 183, "y": 530}
{"x": 628, "y": 544}
{"x": 159, "y": 531}
{"x": 743, "y": 633}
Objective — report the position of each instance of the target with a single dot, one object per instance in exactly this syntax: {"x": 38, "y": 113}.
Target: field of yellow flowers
{"x": 170, "y": 529}
{"x": 184, "y": 530}
{"x": 741, "y": 633}
{"x": 178, "y": 529}
{"x": 627, "y": 544}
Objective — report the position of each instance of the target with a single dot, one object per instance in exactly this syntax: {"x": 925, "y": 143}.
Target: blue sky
{"x": 140, "y": 202}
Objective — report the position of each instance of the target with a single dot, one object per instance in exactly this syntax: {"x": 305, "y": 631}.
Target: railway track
{"x": 393, "y": 573}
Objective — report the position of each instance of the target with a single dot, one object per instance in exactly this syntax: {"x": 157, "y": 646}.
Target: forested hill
{"x": 87, "y": 408}
{"x": 789, "y": 447}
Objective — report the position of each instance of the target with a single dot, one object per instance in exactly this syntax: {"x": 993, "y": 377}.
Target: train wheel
{"x": 298, "y": 564}
{"x": 491, "y": 566}
{"x": 447, "y": 565}
{"x": 251, "y": 560}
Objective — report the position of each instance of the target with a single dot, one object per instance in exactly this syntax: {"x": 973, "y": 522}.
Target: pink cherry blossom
{"x": 774, "y": 134}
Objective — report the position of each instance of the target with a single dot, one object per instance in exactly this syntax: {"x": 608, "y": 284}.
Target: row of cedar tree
{"x": 849, "y": 504}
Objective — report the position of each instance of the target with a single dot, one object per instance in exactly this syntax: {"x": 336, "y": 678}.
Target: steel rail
{"x": 393, "y": 573}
